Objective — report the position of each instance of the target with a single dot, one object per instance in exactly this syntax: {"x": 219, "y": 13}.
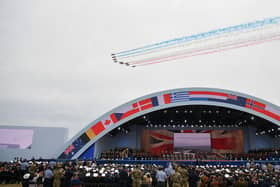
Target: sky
{"x": 56, "y": 69}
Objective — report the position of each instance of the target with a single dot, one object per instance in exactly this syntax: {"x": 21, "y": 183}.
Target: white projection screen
{"x": 192, "y": 142}
{"x": 16, "y": 138}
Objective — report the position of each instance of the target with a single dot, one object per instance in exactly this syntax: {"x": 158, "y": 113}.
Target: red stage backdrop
{"x": 227, "y": 141}
{"x": 222, "y": 141}
{"x": 157, "y": 141}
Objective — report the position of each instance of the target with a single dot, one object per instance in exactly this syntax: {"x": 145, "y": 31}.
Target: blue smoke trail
{"x": 250, "y": 25}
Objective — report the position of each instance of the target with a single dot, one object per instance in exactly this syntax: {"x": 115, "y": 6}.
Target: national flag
{"x": 157, "y": 141}
{"x": 68, "y": 149}
{"x": 84, "y": 138}
{"x": 107, "y": 122}
{"x": 75, "y": 147}
{"x": 249, "y": 103}
{"x": 166, "y": 98}
{"x": 146, "y": 103}
{"x": 134, "y": 108}
{"x": 263, "y": 108}
{"x": 255, "y": 105}
{"x": 232, "y": 97}
{"x": 176, "y": 97}
{"x": 116, "y": 117}
{"x": 223, "y": 141}
{"x": 93, "y": 131}
{"x": 272, "y": 112}
{"x": 207, "y": 95}
{"x": 98, "y": 128}
{"x": 236, "y": 100}
{"x": 273, "y": 109}
{"x": 217, "y": 97}
{"x": 90, "y": 133}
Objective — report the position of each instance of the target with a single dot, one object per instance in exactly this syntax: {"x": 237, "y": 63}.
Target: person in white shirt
{"x": 161, "y": 177}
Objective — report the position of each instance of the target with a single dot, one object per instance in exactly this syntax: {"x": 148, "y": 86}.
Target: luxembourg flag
{"x": 208, "y": 95}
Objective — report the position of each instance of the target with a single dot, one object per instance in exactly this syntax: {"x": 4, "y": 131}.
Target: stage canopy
{"x": 219, "y": 108}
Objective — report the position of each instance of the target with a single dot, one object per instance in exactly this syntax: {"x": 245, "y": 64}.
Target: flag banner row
{"x": 164, "y": 100}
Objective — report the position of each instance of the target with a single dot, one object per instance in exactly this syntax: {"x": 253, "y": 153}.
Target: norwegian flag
{"x": 255, "y": 105}
{"x": 263, "y": 108}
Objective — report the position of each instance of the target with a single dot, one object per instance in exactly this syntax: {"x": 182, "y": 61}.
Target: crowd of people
{"x": 251, "y": 155}
{"x": 90, "y": 174}
{"x": 133, "y": 154}
{"x": 127, "y": 153}
{"x": 39, "y": 173}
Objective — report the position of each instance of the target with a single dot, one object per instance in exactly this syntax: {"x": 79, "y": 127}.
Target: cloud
{"x": 56, "y": 70}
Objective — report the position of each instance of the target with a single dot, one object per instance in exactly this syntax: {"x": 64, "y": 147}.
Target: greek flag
{"x": 179, "y": 97}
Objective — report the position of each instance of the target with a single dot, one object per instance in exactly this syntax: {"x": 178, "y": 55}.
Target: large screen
{"x": 216, "y": 141}
{"x": 192, "y": 142}
{"x": 16, "y": 138}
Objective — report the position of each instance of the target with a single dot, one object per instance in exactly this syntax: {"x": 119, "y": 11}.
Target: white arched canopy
{"x": 166, "y": 99}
